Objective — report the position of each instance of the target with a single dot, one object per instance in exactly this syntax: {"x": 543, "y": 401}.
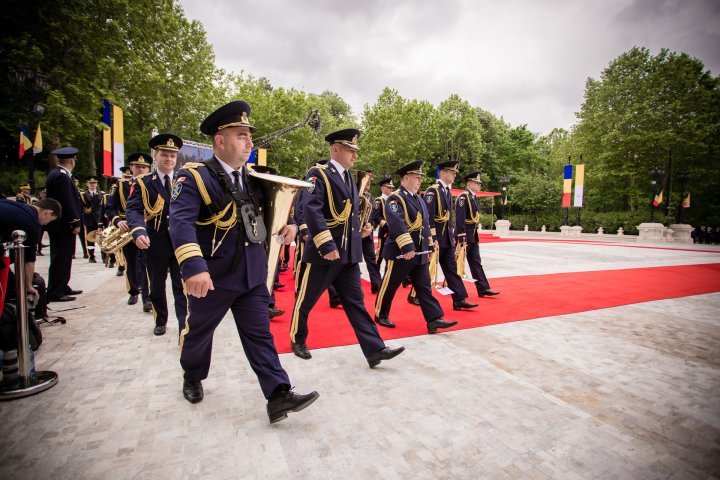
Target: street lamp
{"x": 504, "y": 180}
{"x": 683, "y": 177}
{"x": 33, "y": 86}
{"x": 656, "y": 174}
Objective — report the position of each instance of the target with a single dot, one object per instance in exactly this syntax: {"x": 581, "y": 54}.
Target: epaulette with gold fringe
{"x": 191, "y": 165}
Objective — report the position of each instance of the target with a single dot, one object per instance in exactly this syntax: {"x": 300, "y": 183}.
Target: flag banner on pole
{"x": 107, "y": 164}
{"x": 686, "y": 202}
{"x": 262, "y": 156}
{"x": 37, "y": 146}
{"x": 118, "y": 140}
{"x": 658, "y": 198}
{"x": 25, "y": 142}
{"x": 579, "y": 185}
{"x": 567, "y": 185}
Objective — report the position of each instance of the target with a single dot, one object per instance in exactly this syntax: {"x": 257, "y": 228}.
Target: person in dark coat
{"x": 91, "y": 201}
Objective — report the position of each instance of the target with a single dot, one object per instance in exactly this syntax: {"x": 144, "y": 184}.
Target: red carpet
{"x": 522, "y": 298}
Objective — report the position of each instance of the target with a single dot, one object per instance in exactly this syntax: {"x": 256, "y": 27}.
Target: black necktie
{"x": 236, "y": 181}
{"x": 166, "y": 183}
{"x": 347, "y": 181}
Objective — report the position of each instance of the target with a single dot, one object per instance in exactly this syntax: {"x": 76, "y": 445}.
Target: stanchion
{"x": 29, "y": 384}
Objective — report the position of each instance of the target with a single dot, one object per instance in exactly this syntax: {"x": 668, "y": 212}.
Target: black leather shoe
{"x": 159, "y": 330}
{"x": 111, "y": 265}
{"x": 85, "y": 255}
{"x": 284, "y": 267}
{"x": 385, "y": 322}
{"x": 92, "y": 260}
{"x": 132, "y": 300}
{"x": 278, "y": 285}
{"x": 120, "y": 273}
{"x": 287, "y": 402}
{"x": 488, "y": 293}
{"x": 274, "y": 312}
{"x": 414, "y": 301}
{"x": 406, "y": 282}
{"x": 193, "y": 391}
{"x": 73, "y": 292}
{"x": 463, "y": 304}
{"x": 335, "y": 302}
{"x": 301, "y": 350}
{"x": 384, "y": 354}
{"x": 439, "y": 323}
{"x": 64, "y": 298}
{"x": 40, "y": 254}
{"x": 374, "y": 289}
{"x": 147, "y": 306}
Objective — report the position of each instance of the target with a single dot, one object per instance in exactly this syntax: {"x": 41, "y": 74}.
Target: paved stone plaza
{"x": 629, "y": 392}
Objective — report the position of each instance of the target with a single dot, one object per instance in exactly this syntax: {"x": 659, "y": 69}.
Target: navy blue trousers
{"x": 395, "y": 273}
{"x": 157, "y": 269}
{"x": 476, "y": 269}
{"x": 62, "y": 248}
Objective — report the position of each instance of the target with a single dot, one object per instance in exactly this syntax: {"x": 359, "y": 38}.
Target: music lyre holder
{"x": 28, "y": 384}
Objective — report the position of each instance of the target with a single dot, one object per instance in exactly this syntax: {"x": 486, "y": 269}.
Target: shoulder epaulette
{"x": 321, "y": 167}
{"x": 191, "y": 165}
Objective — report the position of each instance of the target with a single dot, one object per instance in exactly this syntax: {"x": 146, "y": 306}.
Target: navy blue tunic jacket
{"x": 60, "y": 186}
{"x": 117, "y": 202}
{"x": 408, "y": 226}
{"x": 467, "y": 216}
{"x": 330, "y": 212}
{"x": 147, "y": 212}
{"x": 207, "y": 242}
{"x": 440, "y": 209}
{"x": 91, "y": 208}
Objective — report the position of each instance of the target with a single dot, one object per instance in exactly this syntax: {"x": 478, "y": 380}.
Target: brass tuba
{"x": 366, "y": 204}
{"x": 460, "y": 252}
{"x": 112, "y": 239}
{"x": 279, "y": 193}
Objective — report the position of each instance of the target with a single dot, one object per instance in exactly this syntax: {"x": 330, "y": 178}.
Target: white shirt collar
{"x": 383, "y": 196}
{"x": 228, "y": 169}
{"x": 338, "y": 167}
{"x": 442, "y": 183}
{"x": 65, "y": 171}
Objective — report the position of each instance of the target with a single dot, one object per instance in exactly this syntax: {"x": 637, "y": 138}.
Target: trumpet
{"x": 279, "y": 194}
{"x": 366, "y": 204}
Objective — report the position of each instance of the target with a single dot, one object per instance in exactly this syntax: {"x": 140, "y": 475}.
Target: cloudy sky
{"x": 523, "y": 60}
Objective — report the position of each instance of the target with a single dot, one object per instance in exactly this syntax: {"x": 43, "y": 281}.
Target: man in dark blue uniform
{"x": 334, "y": 249}
{"x": 61, "y": 187}
{"x": 91, "y": 201}
{"x": 29, "y": 219}
{"x": 368, "y": 247}
{"x": 24, "y": 194}
{"x": 140, "y": 164}
{"x": 408, "y": 235}
{"x": 147, "y": 214}
{"x": 219, "y": 239}
{"x": 467, "y": 215}
{"x": 378, "y": 218}
{"x": 440, "y": 206}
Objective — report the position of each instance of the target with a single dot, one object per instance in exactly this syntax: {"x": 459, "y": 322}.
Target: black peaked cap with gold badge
{"x": 65, "y": 152}
{"x": 233, "y": 114}
{"x": 474, "y": 176}
{"x": 166, "y": 141}
{"x": 386, "y": 182}
{"x": 449, "y": 165}
{"x": 140, "y": 158}
{"x": 413, "y": 167}
{"x": 347, "y": 137}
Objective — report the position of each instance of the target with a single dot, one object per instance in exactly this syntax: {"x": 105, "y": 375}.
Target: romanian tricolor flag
{"x": 658, "y": 198}
{"x": 106, "y": 140}
{"x": 579, "y": 185}
{"x": 25, "y": 142}
{"x": 567, "y": 185}
{"x": 37, "y": 146}
{"x": 686, "y": 202}
{"x": 118, "y": 140}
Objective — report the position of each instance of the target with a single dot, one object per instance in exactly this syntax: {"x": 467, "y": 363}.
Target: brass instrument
{"x": 91, "y": 236}
{"x": 279, "y": 193}
{"x": 460, "y": 252}
{"x": 366, "y": 204}
{"x": 434, "y": 260}
{"x": 112, "y": 239}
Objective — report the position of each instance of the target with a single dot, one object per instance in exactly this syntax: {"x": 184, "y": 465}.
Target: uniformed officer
{"x": 24, "y": 195}
{"x": 302, "y": 236}
{"x": 408, "y": 234}
{"x": 378, "y": 218}
{"x": 219, "y": 239}
{"x": 91, "y": 201}
{"x": 61, "y": 187}
{"x": 140, "y": 164}
{"x": 467, "y": 215}
{"x": 104, "y": 220}
{"x": 147, "y": 217}
{"x": 440, "y": 205}
{"x": 333, "y": 249}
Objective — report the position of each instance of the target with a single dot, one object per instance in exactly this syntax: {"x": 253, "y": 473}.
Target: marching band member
{"x": 378, "y": 218}
{"x": 91, "y": 201}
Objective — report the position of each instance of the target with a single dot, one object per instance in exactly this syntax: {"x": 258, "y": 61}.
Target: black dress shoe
{"x": 414, "y": 301}
{"x": 374, "y": 289}
{"x": 278, "y": 285}
{"x": 111, "y": 265}
{"x": 384, "y": 354}
{"x": 159, "y": 330}
{"x": 463, "y": 304}
{"x": 287, "y": 402}
{"x": 120, "y": 273}
{"x": 301, "y": 350}
{"x": 284, "y": 267}
{"x": 439, "y": 323}
{"x": 385, "y": 322}
{"x": 85, "y": 255}
{"x": 335, "y": 302}
{"x": 488, "y": 293}
{"x": 92, "y": 260}
{"x": 147, "y": 306}
{"x": 40, "y": 254}
{"x": 274, "y": 312}
{"x": 193, "y": 391}
{"x": 406, "y": 282}
{"x": 64, "y": 298}
{"x": 132, "y": 300}
{"x": 73, "y": 292}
